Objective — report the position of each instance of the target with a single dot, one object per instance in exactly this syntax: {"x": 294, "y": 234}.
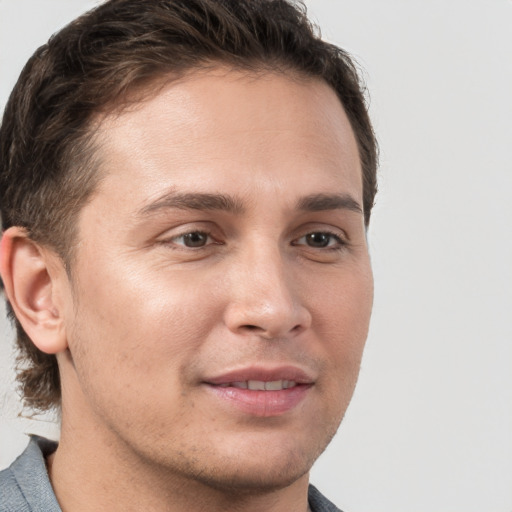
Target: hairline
{"x": 137, "y": 95}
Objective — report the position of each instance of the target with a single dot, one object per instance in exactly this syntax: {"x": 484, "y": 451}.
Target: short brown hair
{"x": 47, "y": 169}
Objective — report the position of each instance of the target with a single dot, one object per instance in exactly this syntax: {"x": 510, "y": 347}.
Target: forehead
{"x": 221, "y": 129}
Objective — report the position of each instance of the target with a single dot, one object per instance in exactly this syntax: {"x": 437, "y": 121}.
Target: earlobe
{"x": 30, "y": 283}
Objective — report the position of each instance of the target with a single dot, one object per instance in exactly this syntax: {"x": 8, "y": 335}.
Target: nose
{"x": 265, "y": 300}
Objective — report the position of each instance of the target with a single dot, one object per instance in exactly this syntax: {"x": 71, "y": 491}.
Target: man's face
{"x": 222, "y": 253}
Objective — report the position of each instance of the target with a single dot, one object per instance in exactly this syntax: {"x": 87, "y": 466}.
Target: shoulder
{"x": 12, "y": 496}
{"x": 319, "y": 503}
{"x": 24, "y": 485}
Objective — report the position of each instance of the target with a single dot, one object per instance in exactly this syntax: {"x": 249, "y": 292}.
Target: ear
{"x": 31, "y": 276}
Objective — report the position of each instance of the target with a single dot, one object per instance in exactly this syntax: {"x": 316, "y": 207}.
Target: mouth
{"x": 260, "y": 385}
{"x": 261, "y": 392}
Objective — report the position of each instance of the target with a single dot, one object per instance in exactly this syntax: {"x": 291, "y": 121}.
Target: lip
{"x": 265, "y": 374}
{"x": 261, "y": 403}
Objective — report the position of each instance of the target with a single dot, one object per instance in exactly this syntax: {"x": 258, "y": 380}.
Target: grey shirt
{"x": 25, "y": 486}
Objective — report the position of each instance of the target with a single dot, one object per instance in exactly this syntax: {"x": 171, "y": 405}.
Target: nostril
{"x": 267, "y": 333}
{"x": 251, "y": 327}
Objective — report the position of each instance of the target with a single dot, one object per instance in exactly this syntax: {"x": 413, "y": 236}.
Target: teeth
{"x": 259, "y": 385}
{"x": 275, "y": 385}
{"x": 256, "y": 385}
{"x": 289, "y": 384}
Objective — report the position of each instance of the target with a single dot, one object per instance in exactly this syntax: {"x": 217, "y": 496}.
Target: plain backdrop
{"x": 430, "y": 425}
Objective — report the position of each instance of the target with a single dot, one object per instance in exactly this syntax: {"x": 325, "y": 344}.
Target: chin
{"x": 263, "y": 467}
{"x": 264, "y": 477}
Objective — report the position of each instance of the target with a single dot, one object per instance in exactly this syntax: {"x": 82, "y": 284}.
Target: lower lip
{"x": 262, "y": 403}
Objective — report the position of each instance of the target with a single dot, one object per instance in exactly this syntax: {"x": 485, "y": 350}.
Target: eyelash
{"x": 172, "y": 241}
{"x": 339, "y": 245}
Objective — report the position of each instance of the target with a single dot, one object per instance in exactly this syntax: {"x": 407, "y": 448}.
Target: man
{"x": 185, "y": 191}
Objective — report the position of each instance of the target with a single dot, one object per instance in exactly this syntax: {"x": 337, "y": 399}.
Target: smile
{"x": 259, "y": 391}
{"x": 259, "y": 385}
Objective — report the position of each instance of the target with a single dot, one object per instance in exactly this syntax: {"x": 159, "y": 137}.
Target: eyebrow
{"x": 322, "y": 202}
{"x": 194, "y": 201}
{"x": 223, "y": 202}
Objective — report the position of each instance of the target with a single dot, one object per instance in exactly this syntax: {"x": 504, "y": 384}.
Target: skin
{"x": 146, "y": 320}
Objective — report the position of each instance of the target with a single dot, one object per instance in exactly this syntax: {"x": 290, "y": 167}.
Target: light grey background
{"x": 430, "y": 426}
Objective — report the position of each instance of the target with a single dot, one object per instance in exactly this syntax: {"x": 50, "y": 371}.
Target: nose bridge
{"x": 272, "y": 284}
{"x": 264, "y": 298}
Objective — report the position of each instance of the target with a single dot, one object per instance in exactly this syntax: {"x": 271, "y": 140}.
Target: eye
{"x": 320, "y": 240}
{"x": 193, "y": 240}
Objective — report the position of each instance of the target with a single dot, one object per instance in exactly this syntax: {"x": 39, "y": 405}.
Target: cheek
{"x": 343, "y": 328}
{"x": 133, "y": 343}
{"x": 344, "y": 302}
{"x": 143, "y": 325}
{"x": 341, "y": 319}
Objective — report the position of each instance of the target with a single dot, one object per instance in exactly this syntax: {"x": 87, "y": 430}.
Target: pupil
{"x": 318, "y": 239}
{"x": 195, "y": 239}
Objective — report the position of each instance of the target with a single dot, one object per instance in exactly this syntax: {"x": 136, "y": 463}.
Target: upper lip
{"x": 261, "y": 373}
